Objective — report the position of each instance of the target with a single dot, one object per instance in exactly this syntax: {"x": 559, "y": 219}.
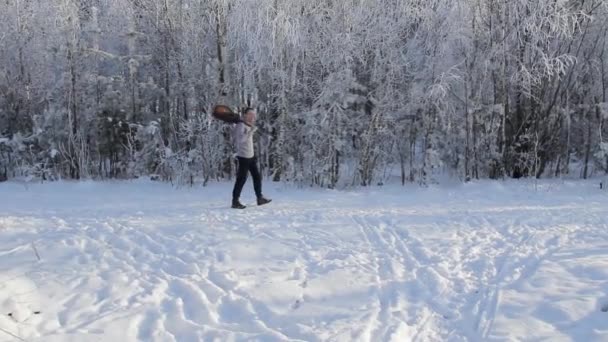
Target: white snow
{"x": 142, "y": 261}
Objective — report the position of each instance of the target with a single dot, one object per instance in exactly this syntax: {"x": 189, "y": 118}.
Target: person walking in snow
{"x": 243, "y": 135}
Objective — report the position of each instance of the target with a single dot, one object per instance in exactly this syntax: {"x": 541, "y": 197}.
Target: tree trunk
{"x": 587, "y": 146}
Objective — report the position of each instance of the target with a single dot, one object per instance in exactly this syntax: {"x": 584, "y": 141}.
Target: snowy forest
{"x": 348, "y": 92}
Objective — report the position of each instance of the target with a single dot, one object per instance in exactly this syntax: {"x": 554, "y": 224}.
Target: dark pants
{"x": 247, "y": 165}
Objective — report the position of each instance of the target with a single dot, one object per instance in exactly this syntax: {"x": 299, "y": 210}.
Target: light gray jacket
{"x": 243, "y": 139}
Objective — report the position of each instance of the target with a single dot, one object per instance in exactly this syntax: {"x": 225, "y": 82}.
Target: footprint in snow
{"x": 604, "y": 308}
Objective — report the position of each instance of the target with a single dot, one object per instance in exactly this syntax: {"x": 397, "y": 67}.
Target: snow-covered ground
{"x": 142, "y": 261}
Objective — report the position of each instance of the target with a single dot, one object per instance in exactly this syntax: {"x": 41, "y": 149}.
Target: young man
{"x": 243, "y": 135}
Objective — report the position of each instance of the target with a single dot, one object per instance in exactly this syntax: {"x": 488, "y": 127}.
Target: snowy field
{"x": 142, "y": 261}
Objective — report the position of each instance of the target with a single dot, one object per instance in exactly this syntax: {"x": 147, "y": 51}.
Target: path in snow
{"x": 145, "y": 261}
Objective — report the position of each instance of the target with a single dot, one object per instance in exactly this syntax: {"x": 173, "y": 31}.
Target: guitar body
{"x": 225, "y": 114}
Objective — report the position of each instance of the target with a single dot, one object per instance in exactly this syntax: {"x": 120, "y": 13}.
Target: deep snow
{"x": 128, "y": 261}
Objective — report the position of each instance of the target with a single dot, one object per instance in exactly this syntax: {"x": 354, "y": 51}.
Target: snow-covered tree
{"x": 346, "y": 91}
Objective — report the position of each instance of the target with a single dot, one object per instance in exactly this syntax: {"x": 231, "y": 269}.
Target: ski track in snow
{"x": 143, "y": 261}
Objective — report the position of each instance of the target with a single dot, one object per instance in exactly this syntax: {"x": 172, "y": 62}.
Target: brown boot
{"x": 262, "y": 200}
{"x": 237, "y": 205}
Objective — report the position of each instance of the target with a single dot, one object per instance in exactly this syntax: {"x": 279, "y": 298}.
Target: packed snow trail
{"x": 143, "y": 261}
